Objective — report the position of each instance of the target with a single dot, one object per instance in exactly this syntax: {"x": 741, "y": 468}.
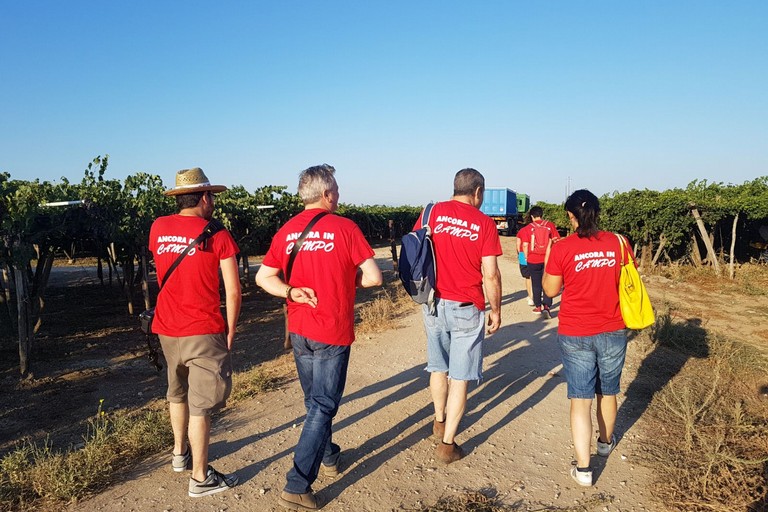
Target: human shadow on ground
{"x": 674, "y": 344}
{"x": 527, "y": 357}
{"x": 402, "y": 385}
{"x": 506, "y": 377}
{"x": 513, "y": 297}
{"x": 414, "y": 380}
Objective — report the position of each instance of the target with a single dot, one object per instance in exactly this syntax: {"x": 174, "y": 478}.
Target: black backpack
{"x": 417, "y": 266}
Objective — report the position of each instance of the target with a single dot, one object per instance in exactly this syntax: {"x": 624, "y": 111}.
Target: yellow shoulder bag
{"x": 636, "y": 309}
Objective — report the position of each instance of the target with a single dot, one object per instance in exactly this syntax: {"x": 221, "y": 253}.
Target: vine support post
{"x": 731, "y": 269}
{"x": 145, "y": 276}
{"x": 393, "y": 243}
{"x": 662, "y": 243}
{"x": 6, "y": 298}
{"x": 246, "y": 268}
{"x": 25, "y": 334}
{"x": 695, "y": 252}
{"x": 711, "y": 255}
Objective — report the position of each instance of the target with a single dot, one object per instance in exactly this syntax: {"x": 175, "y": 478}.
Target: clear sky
{"x": 397, "y": 95}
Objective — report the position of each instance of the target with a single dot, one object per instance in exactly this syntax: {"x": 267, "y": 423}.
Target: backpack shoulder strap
{"x": 425, "y": 215}
{"x": 300, "y": 242}
{"x": 210, "y": 229}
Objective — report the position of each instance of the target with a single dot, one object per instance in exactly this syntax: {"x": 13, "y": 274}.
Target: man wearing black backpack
{"x": 536, "y": 238}
{"x": 466, "y": 245}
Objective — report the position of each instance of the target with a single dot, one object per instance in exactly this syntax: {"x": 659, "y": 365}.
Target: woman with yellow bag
{"x": 591, "y": 332}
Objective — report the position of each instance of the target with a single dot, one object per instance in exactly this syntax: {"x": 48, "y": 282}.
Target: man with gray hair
{"x": 466, "y": 246}
{"x": 318, "y": 281}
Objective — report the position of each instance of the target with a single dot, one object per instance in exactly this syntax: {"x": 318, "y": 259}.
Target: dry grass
{"x": 749, "y": 278}
{"x": 488, "y": 500}
{"x": 266, "y": 377}
{"x": 38, "y": 475}
{"x": 381, "y": 313}
{"x": 33, "y": 475}
{"x": 709, "y": 443}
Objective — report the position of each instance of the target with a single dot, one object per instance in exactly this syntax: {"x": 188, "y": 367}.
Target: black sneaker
{"x": 213, "y": 483}
{"x": 545, "y": 312}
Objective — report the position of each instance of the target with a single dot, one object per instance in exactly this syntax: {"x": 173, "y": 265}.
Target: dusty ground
{"x": 515, "y": 428}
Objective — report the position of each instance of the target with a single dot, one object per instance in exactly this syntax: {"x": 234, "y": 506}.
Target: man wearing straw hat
{"x": 195, "y": 337}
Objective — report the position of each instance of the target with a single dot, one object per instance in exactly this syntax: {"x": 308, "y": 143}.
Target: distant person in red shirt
{"x": 592, "y": 335}
{"x": 536, "y": 238}
{"x": 195, "y": 338}
{"x": 466, "y": 246}
{"x": 523, "y": 264}
{"x": 333, "y": 261}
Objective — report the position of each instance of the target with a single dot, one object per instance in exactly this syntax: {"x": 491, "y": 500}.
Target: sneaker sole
{"x": 180, "y": 469}
{"x": 213, "y": 490}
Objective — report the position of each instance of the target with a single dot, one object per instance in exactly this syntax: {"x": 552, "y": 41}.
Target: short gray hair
{"x": 467, "y": 181}
{"x": 315, "y": 181}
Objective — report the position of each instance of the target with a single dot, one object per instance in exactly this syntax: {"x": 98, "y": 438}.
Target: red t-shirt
{"x": 327, "y": 263}
{"x": 189, "y": 304}
{"x": 590, "y": 268}
{"x": 525, "y": 237}
{"x": 462, "y": 235}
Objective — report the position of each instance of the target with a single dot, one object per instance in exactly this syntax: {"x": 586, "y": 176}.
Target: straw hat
{"x": 189, "y": 181}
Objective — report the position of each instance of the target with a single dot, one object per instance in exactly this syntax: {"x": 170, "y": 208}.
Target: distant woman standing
{"x": 591, "y": 334}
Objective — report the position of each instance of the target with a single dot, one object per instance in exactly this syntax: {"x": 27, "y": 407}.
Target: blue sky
{"x": 398, "y": 96}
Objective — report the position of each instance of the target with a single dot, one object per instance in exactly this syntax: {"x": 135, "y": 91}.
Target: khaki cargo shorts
{"x": 199, "y": 371}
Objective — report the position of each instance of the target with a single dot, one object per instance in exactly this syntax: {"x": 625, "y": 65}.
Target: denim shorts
{"x": 455, "y": 339}
{"x": 593, "y": 364}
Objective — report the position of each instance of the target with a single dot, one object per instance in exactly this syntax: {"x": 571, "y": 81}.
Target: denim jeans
{"x": 593, "y": 364}
{"x": 539, "y": 297}
{"x": 322, "y": 370}
{"x": 455, "y": 339}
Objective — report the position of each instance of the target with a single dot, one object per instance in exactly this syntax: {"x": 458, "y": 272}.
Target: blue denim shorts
{"x": 455, "y": 339}
{"x": 593, "y": 364}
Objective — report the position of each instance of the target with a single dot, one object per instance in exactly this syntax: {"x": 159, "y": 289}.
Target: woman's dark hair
{"x": 585, "y": 206}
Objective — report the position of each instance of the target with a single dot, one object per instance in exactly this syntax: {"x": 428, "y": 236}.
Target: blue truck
{"x": 506, "y": 207}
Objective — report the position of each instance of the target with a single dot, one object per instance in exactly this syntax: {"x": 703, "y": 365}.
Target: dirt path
{"x": 515, "y": 430}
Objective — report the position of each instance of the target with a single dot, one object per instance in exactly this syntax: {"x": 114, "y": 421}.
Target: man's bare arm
{"x": 234, "y": 298}
{"x": 492, "y": 284}
{"x": 369, "y": 274}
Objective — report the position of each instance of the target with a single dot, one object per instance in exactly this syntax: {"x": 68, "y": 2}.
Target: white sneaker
{"x": 605, "y": 449}
{"x": 530, "y": 301}
{"x": 583, "y": 478}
